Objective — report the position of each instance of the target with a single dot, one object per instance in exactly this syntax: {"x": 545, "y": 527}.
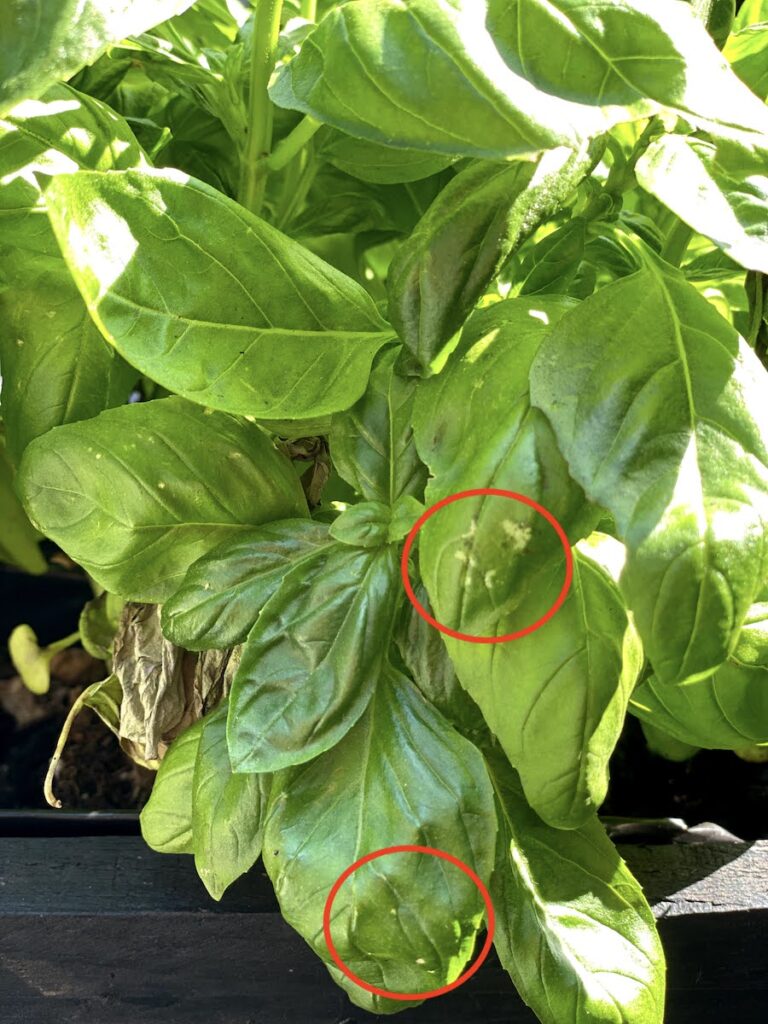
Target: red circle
{"x": 408, "y": 996}
{"x": 478, "y": 492}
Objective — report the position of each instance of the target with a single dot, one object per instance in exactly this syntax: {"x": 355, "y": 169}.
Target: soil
{"x": 714, "y": 786}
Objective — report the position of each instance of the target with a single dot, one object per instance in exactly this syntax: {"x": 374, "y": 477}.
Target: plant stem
{"x": 309, "y": 9}
{"x": 61, "y": 645}
{"x": 266, "y": 30}
{"x": 676, "y": 243}
{"x": 287, "y": 148}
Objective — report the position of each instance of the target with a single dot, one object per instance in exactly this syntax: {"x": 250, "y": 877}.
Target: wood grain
{"x": 102, "y": 930}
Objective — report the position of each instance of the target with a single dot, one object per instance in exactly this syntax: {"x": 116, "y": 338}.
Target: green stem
{"x": 266, "y": 31}
{"x": 309, "y": 9}
{"x": 61, "y": 645}
{"x": 287, "y": 148}
{"x": 676, "y": 243}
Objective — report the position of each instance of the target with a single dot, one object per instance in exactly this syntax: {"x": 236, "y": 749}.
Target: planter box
{"x": 99, "y": 928}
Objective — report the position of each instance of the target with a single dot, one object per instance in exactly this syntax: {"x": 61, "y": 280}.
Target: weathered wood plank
{"x": 102, "y": 929}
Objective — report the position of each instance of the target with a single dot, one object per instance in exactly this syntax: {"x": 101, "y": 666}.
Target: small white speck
{"x": 98, "y": 455}
{"x": 19, "y": 342}
{"x": 51, "y": 314}
{"x": 393, "y": 911}
{"x": 461, "y": 556}
{"x": 421, "y": 960}
{"x": 471, "y": 531}
{"x": 161, "y": 485}
{"x": 488, "y": 578}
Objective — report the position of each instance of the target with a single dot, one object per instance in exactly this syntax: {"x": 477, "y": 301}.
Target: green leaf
{"x": 663, "y": 745}
{"x": 554, "y": 260}
{"x": 224, "y": 591}
{"x": 313, "y": 659}
{"x": 497, "y": 79}
{"x": 659, "y": 408}
{"x": 719, "y": 188}
{"x": 105, "y": 699}
{"x": 726, "y": 711}
{"x": 573, "y": 928}
{"x": 474, "y": 427}
{"x": 460, "y": 244}
{"x": 379, "y": 164}
{"x": 227, "y": 810}
{"x": 426, "y": 657}
{"x": 18, "y": 541}
{"x": 747, "y": 51}
{"x": 57, "y": 366}
{"x": 365, "y": 525}
{"x": 372, "y": 443}
{"x": 138, "y": 493}
{"x": 612, "y": 54}
{"x": 405, "y": 922}
{"x": 166, "y": 819}
{"x": 41, "y": 42}
{"x": 269, "y": 331}
{"x": 98, "y": 624}
{"x": 556, "y": 698}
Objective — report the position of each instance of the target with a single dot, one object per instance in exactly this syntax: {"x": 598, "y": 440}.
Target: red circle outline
{"x": 500, "y": 493}
{"x": 408, "y": 996}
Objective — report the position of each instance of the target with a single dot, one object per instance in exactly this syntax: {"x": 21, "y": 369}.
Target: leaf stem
{"x": 309, "y": 10}
{"x": 676, "y": 243}
{"x": 293, "y": 143}
{"x": 61, "y": 645}
{"x": 266, "y": 31}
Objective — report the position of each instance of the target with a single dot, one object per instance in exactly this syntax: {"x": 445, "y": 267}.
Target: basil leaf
{"x": 61, "y": 367}
{"x": 662, "y": 418}
{"x": 556, "y": 699}
{"x": 227, "y": 810}
{"x": 498, "y": 79}
{"x": 426, "y": 657}
{"x": 18, "y": 541}
{"x": 573, "y": 928}
{"x": 372, "y": 443}
{"x": 224, "y": 591}
{"x": 312, "y": 661}
{"x": 166, "y": 818}
{"x": 719, "y": 188}
{"x": 42, "y": 42}
{"x": 365, "y": 525}
{"x": 554, "y": 260}
{"x": 271, "y": 331}
{"x": 138, "y": 493}
{"x": 460, "y": 244}
{"x": 98, "y": 624}
{"x": 405, "y": 922}
{"x": 726, "y": 711}
{"x": 617, "y": 53}
{"x": 380, "y": 165}
{"x": 474, "y": 427}
{"x": 747, "y": 52}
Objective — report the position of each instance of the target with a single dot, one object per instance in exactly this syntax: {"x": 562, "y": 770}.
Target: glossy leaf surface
{"x": 459, "y": 245}
{"x": 573, "y": 927}
{"x": 41, "y": 42}
{"x": 166, "y": 819}
{"x": 496, "y": 79}
{"x": 139, "y": 492}
{"x": 729, "y": 709}
{"x": 224, "y": 591}
{"x": 58, "y": 366}
{"x": 267, "y": 330}
{"x": 407, "y": 922}
{"x": 227, "y": 810}
{"x": 662, "y": 418}
{"x": 372, "y": 444}
{"x": 719, "y": 188}
{"x": 313, "y": 659}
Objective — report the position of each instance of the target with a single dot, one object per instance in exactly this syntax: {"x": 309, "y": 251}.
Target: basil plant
{"x": 277, "y": 279}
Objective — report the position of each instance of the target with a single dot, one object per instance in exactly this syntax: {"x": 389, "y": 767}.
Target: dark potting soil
{"x": 95, "y": 774}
